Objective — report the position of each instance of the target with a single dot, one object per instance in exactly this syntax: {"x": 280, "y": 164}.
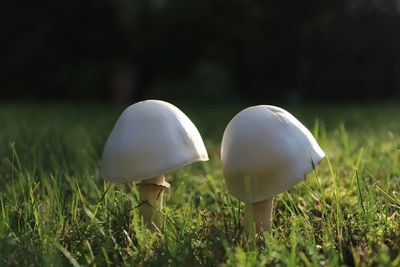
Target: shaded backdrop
{"x": 200, "y": 50}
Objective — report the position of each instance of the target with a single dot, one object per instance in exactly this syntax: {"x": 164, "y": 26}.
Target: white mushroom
{"x": 265, "y": 151}
{"x": 150, "y": 139}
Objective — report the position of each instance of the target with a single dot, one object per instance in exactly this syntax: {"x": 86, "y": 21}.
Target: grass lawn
{"x": 55, "y": 209}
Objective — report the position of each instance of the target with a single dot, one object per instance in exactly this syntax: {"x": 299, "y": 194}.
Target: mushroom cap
{"x": 150, "y": 138}
{"x": 265, "y": 151}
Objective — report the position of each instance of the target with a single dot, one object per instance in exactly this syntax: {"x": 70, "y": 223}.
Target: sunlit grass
{"x": 55, "y": 210}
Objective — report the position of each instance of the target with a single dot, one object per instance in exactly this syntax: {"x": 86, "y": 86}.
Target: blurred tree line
{"x": 212, "y": 50}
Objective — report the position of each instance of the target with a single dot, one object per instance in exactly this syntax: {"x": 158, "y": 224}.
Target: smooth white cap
{"x": 266, "y": 151}
{"x": 151, "y": 138}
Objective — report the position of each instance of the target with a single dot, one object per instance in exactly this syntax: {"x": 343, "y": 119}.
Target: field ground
{"x": 55, "y": 210}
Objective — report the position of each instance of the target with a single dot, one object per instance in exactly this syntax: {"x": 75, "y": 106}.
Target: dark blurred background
{"x": 200, "y": 50}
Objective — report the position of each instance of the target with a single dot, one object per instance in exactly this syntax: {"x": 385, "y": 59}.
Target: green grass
{"x": 55, "y": 210}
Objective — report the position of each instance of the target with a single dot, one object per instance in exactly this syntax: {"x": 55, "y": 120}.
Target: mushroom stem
{"x": 151, "y": 200}
{"x": 258, "y": 216}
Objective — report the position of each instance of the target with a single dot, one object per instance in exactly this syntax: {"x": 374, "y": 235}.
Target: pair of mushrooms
{"x": 265, "y": 151}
